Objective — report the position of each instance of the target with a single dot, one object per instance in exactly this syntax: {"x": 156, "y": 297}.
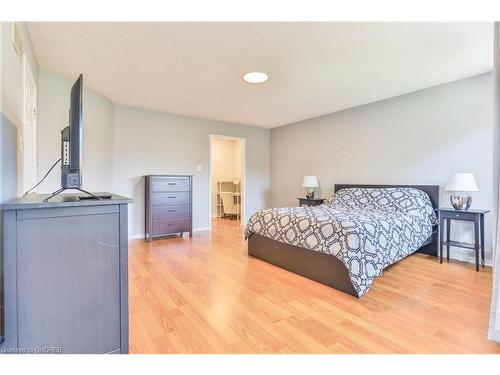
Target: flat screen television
{"x": 71, "y": 140}
{"x": 71, "y": 145}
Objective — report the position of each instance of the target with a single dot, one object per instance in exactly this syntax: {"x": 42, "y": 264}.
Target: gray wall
{"x": 419, "y": 138}
{"x": 121, "y": 144}
{"x": 148, "y": 142}
{"x": 53, "y": 106}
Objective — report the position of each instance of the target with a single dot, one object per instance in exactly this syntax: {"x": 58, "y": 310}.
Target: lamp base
{"x": 460, "y": 201}
{"x": 309, "y": 193}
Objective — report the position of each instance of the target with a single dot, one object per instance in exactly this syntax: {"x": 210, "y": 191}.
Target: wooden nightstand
{"x": 475, "y": 216}
{"x": 310, "y": 202}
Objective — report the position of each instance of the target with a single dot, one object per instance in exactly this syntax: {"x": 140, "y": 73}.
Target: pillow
{"x": 407, "y": 200}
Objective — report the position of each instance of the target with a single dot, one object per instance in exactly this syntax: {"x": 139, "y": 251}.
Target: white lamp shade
{"x": 462, "y": 182}
{"x": 310, "y": 182}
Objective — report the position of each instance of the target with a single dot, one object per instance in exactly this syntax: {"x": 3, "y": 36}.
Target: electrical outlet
{"x": 199, "y": 168}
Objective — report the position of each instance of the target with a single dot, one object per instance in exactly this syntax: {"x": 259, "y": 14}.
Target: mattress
{"x": 367, "y": 229}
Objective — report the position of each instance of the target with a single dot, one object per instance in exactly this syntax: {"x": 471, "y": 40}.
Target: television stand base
{"x": 57, "y": 192}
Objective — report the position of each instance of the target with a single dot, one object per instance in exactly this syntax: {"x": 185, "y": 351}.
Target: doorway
{"x": 227, "y": 178}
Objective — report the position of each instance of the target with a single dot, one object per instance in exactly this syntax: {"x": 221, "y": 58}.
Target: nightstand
{"x": 310, "y": 202}
{"x": 475, "y": 216}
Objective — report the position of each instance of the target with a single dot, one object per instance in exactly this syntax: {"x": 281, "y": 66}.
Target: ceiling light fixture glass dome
{"x": 255, "y": 77}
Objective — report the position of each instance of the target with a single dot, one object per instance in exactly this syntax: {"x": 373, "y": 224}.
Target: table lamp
{"x": 460, "y": 184}
{"x": 308, "y": 184}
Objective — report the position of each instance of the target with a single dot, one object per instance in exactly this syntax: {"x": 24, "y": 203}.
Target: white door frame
{"x": 28, "y": 141}
{"x": 243, "y": 173}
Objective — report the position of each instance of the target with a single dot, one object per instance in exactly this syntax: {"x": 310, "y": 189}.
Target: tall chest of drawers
{"x": 168, "y": 205}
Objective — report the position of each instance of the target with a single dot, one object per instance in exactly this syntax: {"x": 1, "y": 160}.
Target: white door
{"x": 28, "y": 141}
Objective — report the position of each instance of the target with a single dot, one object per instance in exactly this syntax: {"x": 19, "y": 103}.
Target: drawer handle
{"x": 172, "y": 183}
{"x": 172, "y": 210}
{"x": 171, "y": 197}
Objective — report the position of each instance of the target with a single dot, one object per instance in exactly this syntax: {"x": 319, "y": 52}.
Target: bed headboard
{"x": 431, "y": 190}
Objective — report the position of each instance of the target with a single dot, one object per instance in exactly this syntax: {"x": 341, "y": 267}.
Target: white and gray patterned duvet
{"x": 367, "y": 229}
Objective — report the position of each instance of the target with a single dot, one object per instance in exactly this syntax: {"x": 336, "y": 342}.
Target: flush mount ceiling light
{"x": 255, "y": 77}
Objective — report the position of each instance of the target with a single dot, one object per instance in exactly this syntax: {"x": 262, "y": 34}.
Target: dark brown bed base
{"x": 324, "y": 268}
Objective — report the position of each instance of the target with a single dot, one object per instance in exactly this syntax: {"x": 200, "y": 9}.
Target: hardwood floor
{"x": 204, "y": 295}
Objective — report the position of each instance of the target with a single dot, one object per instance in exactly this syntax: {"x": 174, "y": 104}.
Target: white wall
{"x": 237, "y": 157}
{"x": 12, "y": 88}
{"x": 12, "y": 71}
{"x": 419, "y": 138}
{"x": 149, "y": 142}
{"x": 53, "y": 107}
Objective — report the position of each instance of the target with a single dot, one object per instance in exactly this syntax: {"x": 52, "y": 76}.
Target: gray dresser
{"x": 65, "y": 275}
{"x": 169, "y": 208}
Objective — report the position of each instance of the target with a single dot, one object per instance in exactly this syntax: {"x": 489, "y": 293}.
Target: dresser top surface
{"x": 61, "y": 200}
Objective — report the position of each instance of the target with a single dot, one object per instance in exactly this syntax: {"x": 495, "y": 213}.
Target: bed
{"x": 350, "y": 239}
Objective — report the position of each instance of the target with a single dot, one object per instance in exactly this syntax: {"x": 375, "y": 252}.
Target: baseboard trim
{"x": 141, "y": 235}
{"x": 135, "y": 236}
{"x": 465, "y": 255}
{"x": 494, "y": 335}
{"x": 202, "y": 229}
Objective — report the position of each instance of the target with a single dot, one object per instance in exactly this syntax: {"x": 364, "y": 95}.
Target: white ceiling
{"x": 195, "y": 69}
